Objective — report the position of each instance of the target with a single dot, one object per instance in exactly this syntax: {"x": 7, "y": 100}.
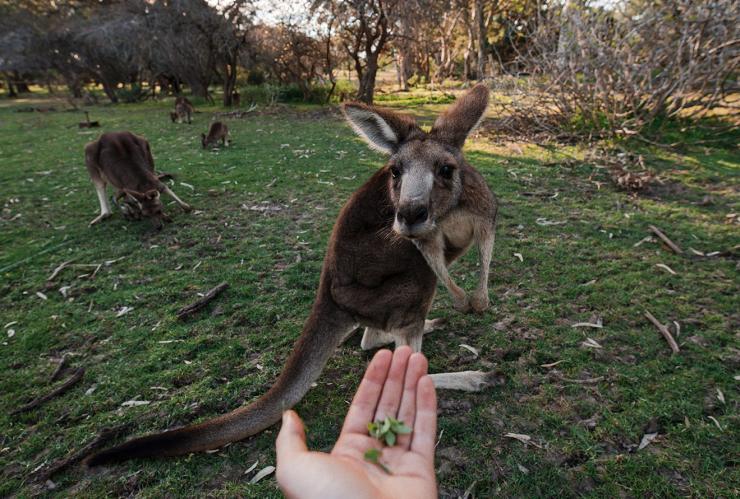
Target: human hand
{"x": 394, "y": 385}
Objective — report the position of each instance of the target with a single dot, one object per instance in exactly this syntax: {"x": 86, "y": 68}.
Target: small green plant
{"x": 388, "y": 430}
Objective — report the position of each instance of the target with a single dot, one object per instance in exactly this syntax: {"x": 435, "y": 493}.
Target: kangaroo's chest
{"x": 457, "y": 230}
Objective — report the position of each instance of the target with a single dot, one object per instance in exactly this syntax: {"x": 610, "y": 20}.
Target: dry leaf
{"x": 519, "y": 256}
{"x": 553, "y": 364}
{"x": 646, "y": 439}
{"x": 135, "y": 403}
{"x": 666, "y": 268}
{"x": 268, "y": 470}
{"x": 123, "y": 311}
{"x": 523, "y": 469}
{"x": 470, "y": 349}
{"x": 591, "y": 343}
{"x": 251, "y": 468}
{"x": 720, "y": 396}
{"x": 41, "y": 295}
{"x": 597, "y": 325}
{"x": 525, "y": 439}
{"x": 714, "y": 420}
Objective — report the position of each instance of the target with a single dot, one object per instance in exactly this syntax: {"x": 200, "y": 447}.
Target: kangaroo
{"x": 218, "y": 131}
{"x": 392, "y": 240}
{"x": 125, "y": 161}
{"x": 236, "y": 99}
{"x": 183, "y": 109}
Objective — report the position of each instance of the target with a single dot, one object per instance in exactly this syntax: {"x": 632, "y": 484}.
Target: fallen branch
{"x": 676, "y": 249}
{"x": 207, "y": 298}
{"x": 71, "y": 381}
{"x": 62, "y": 364}
{"x": 101, "y": 440}
{"x": 664, "y": 331}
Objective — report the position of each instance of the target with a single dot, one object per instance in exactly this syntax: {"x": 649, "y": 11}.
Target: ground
{"x": 567, "y": 252}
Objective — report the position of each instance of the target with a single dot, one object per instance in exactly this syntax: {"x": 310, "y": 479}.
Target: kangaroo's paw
{"x": 461, "y": 303}
{"x": 434, "y": 324}
{"x": 468, "y": 381}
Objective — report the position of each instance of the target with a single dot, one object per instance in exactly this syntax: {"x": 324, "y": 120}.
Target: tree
{"x": 366, "y": 27}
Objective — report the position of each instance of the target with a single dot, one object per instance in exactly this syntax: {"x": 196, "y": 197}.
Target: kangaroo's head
{"x": 424, "y": 169}
{"x": 150, "y": 204}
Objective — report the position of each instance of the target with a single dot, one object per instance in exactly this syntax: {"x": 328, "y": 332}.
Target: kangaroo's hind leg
{"x": 485, "y": 236}
{"x": 98, "y": 181}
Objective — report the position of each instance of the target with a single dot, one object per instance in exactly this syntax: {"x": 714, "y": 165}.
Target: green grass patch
{"x": 264, "y": 209}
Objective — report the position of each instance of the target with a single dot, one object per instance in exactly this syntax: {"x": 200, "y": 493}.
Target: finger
{"x": 425, "y": 425}
{"x": 417, "y": 368}
{"x": 393, "y": 387}
{"x": 292, "y": 438}
{"x": 367, "y": 396}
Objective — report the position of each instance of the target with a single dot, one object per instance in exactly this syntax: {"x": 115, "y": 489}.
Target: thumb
{"x": 292, "y": 437}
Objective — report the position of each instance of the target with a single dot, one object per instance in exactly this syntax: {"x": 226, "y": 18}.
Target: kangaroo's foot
{"x": 479, "y": 302}
{"x": 99, "y": 218}
{"x": 468, "y": 381}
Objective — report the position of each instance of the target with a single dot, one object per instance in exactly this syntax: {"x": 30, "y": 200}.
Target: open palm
{"x": 395, "y": 385}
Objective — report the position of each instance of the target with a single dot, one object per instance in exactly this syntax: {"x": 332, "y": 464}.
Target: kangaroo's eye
{"x": 395, "y": 172}
{"x": 446, "y": 171}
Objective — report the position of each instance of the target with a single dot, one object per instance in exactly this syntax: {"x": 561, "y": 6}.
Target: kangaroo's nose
{"x": 412, "y": 215}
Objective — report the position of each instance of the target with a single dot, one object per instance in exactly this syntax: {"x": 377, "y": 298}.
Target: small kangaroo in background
{"x": 125, "y": 161}
{"x": 183, "y": 110}
{"x": 217, "y": 131}
{"x": 392, "y": 240}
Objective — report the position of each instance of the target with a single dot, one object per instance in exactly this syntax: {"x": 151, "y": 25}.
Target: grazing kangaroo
{"x": 125, "y": 161}
{"x": 392, "y": 240}
{"x": 183, "y": 109}
{"x": 218, "y": 131}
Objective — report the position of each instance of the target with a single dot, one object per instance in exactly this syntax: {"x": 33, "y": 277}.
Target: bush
{"x": 628, "y": 70}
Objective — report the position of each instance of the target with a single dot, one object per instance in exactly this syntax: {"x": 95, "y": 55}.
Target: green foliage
{"x": 387, "y": 430}
{"x": 129, "y": 95}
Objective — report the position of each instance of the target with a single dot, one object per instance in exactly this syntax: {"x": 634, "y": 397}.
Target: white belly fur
{"x": 458, "y": 229}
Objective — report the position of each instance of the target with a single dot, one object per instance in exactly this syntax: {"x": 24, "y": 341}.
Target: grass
{"x": 303, "y": 163}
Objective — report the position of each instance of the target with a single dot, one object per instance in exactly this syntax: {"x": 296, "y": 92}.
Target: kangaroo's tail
{"x": 323, "y": 332}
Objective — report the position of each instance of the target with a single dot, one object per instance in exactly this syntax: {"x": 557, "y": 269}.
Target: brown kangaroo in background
{"x": 217, "y": 131}
{"x": 125, "y": 161}
{"x": 392, "y": 240}
{"x": 183, "y": 109}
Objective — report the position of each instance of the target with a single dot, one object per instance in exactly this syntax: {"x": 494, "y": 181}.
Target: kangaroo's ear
{"x": 382, "y": 129}
{"x": 455, "y": 124}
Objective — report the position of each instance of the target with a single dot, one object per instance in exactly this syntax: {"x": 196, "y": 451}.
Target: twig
{"x": 71, "y": 381}
{"x": 62, "y": 364}
{"x": 664, "y": 331}
{"x": 58, "y": 269}
{"x": 106, "y": 435}
{"x": 207, "y": 298}
{"x": 665, "y": 239}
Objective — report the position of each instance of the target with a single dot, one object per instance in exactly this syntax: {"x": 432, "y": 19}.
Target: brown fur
{"x": 125, "y": 161}
{"x": 217, "y": 131}
{"x": 183, "y": 110}
{"x": 371, "y": 276}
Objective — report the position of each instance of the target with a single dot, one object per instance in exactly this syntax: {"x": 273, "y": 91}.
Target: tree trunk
{"x": 230, "y": 82}
{"x": 12, "y": 94}
{"x": 110, "y": 91}
{"x": 482, "y": 39}
{"x": 367, "y": 83}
